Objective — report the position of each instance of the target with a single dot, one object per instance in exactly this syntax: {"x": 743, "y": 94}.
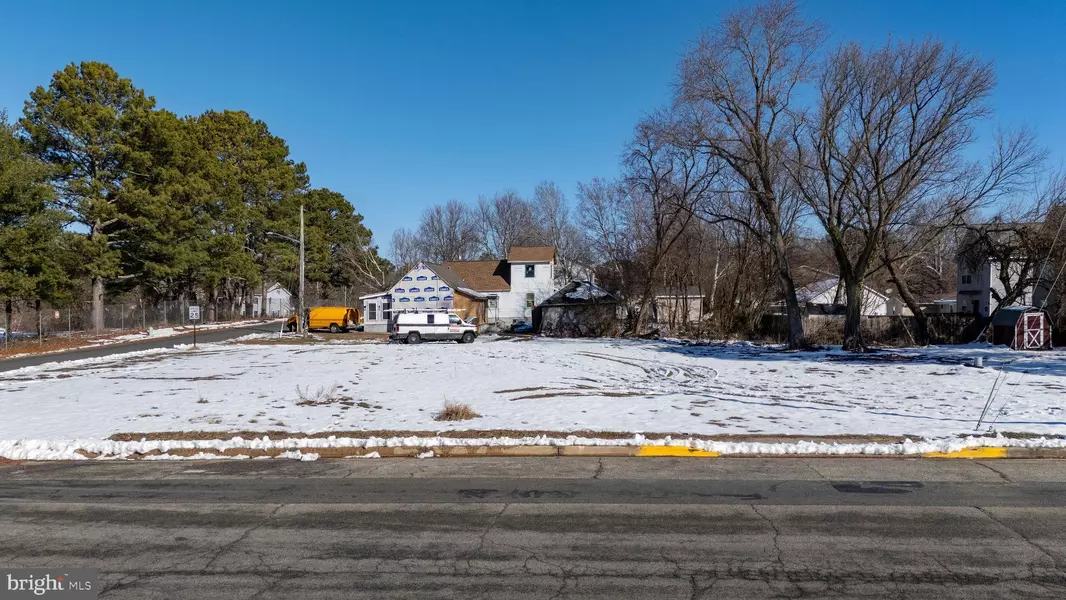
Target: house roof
{"x": 472, "y": 293}
{"x": 478, "y": 275}
{"x": 1008, "y": 315}
{"x": 580, "y": 292}
{"x": 691, "y": 291}
{"x": 528, "y": 254}
{"x": 813, "y": 290}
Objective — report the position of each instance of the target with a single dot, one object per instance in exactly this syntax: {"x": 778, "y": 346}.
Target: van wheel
{"x": 468, "y": 338}
{"x": 413, "y": 337}
{"x": 334, "y": 328}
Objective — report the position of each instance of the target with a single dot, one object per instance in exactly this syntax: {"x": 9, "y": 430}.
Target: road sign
{"x": 194, "y": 312}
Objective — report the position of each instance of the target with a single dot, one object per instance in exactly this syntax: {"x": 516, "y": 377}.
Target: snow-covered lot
{"x": 539, "y": 384}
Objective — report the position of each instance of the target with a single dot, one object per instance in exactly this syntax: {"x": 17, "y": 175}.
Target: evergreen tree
{"x": 79, "y": 125}
{"x": 37, "y": 258}
{"x": 252, "y": 176}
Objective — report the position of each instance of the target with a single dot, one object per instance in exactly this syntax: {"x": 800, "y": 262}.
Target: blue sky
{"x": 399, "y": 105}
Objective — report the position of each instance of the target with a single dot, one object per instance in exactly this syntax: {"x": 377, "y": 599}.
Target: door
{"x": 1033, "y": 337}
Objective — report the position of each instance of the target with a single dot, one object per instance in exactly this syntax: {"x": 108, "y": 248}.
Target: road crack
{"x": 1001, "y": 474}
{"x": 1051, "y": 557}
{"x": 777, "y": 535}
{"x": 243, "y": 536}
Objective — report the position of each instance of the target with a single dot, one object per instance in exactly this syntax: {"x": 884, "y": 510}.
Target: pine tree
{"x": 37, "y": 258}
{"x": 79, "y": 125}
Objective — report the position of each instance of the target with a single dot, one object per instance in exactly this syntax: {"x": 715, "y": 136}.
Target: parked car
{"x": 412, "y": 328}
{"x": 17, "y": 335}
{"x": 334, "y": 318}
{"x": 521, "y": 326}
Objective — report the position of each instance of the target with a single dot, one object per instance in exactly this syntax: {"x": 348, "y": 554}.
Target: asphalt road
{"x": 545, "y": 528}
{"x": 202, "y": 337}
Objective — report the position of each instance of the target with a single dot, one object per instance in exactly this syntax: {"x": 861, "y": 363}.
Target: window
{"x": 531, "y": 270}
{"x": 371, "y": 312}
{"x": 429, "y": 319}
{"x": 967, "y": 279}
{"x": 454, "y": 320}
{"x": 530, "y": 299}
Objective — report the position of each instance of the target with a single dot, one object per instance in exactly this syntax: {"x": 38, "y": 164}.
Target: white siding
{"x": 983, "y": 281}
{"x": 512, "y": 304}
{"x": 872, "y": 303}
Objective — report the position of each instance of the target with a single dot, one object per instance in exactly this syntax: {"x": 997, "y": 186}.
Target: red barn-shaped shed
{"x": 1022, "y": 328}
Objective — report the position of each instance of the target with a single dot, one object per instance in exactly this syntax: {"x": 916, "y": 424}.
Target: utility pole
{"x": 300, "y": 299}
{"x": 301, "y": 328}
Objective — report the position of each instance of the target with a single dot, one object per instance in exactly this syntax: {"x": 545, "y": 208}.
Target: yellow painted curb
{"x": 674, "y": 451}
{"x": 978, "y": 452}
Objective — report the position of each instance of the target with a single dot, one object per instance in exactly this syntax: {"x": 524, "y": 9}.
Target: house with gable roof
{"x": 496, "y": 292}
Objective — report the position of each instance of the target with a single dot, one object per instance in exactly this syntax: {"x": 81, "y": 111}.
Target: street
{"x": 545, "y": 528}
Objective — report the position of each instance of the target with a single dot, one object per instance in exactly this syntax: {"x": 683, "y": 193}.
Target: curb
{"x": 989, "y": 452}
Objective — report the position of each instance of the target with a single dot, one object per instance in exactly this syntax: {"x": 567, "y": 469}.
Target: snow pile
{"x": 302, "y": 448}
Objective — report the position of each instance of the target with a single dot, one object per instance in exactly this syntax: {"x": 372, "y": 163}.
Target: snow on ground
{"x": 539, "y": 384}
{"x": 165, "y": 332}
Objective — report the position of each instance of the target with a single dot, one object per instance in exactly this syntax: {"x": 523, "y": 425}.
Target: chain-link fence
{"x": 27, "y": 322}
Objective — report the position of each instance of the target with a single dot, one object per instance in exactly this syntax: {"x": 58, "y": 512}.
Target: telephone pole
{"x": 302, "y": 328}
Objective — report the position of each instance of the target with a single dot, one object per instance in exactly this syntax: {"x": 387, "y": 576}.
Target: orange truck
{"x": 334, "y": 318}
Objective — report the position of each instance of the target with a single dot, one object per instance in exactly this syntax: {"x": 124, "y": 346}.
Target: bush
{"x": 454, "y": 411}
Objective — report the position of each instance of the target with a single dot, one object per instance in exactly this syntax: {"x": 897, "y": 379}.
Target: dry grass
{"x": 321, "y": 397}
{"x": 455, "y": 411}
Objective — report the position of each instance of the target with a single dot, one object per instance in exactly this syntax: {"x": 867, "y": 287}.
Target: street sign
{"x": 194, "y": 312}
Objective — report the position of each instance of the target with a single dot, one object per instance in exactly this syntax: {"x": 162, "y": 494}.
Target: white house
{"x": 977, "y": 282}
{"x": 279, "y": 302}
{"x": 491, "y": 291}
{"x": 830, "y": 292}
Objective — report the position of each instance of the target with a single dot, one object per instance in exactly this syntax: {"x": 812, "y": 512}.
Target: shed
{"x": 579, "y": 309}
{"x": 674, "y": 306}
{"x": 1022, "y": 328}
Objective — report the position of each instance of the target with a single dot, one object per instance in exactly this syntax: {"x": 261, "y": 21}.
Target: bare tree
{"x": 669, "y": 175}
{"x": 607, "y": 215}
{"x": 447, "y": 232}
{"x": 739, "y": 85}
{"x": 503, "y": 221}
{"x": 557, "y": 230}
{"x": 1017, "y": 246}
{"x": 370, "y": 270}
{"x": 888, "y": 138}
{"x": 404, "y": 249}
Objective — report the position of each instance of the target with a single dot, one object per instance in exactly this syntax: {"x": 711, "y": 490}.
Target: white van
{"x": 412, "y": 328}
